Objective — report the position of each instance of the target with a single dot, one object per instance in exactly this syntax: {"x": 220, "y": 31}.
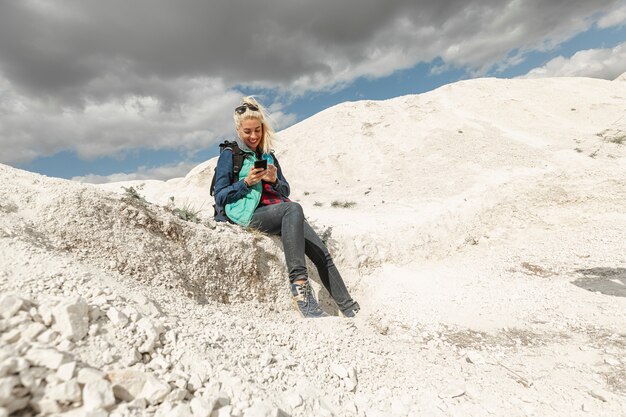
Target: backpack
{"x": 238, "y": 157}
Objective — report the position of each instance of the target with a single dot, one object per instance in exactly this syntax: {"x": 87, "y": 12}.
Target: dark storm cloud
{"x": 55, "y": 46}
{"x": 74, "y": 55}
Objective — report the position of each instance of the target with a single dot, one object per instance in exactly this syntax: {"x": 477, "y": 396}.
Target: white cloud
{"x": 33, "y": 126}
{"x": 163, "y": 173}
{"x": 606, "y": 63}
{"x": 615, "y": 18}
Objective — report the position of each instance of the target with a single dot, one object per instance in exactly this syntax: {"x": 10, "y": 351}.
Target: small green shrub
{"x": 618, "y": 139}
{"x": 131, "y": 194}
{"x": 187, "y": 214}
{"x": 343, "y": 204}
{"x": 318, "y": 204}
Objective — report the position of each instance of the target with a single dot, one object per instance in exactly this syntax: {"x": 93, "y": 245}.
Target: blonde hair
{"x": 268, "y": 133}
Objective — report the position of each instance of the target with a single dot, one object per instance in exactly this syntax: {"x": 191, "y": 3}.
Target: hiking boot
{"x": 352, "y": 311}
{"x": 305, "y": 302}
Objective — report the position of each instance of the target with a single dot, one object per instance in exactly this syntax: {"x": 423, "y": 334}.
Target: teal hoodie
{"x": 241, "y": 210}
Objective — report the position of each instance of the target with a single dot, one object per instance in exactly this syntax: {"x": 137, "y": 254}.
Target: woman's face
{"x": 251, "y": 133}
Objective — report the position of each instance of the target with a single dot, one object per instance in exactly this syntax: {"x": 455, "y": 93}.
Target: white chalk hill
{"x": 460, "y": 218}
{"x": 422, "y": 175}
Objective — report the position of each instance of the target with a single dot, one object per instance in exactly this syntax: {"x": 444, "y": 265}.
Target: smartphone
{"x": 262, "y": 163}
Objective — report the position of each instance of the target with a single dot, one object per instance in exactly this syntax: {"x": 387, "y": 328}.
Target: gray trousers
{"x": 287, "y": 221}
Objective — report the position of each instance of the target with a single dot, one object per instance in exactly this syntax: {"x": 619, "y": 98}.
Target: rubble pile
{"x": 43, "y": 372}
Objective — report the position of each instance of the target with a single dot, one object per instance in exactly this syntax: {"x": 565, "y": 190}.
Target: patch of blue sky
{"x": 68, "y": 164}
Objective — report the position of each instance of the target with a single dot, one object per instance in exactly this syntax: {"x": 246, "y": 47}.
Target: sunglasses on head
{"x": 242, "y": 109}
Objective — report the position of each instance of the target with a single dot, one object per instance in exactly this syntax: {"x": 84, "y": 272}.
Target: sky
{"x": 102, "y": 91}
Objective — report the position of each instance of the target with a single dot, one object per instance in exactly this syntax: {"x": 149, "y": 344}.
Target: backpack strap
{"x": 238, "y": 157}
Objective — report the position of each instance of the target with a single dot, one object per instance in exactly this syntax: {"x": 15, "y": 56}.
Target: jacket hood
{"x": 242, "y": 145}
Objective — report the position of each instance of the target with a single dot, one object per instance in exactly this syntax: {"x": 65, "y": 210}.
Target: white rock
{"x": 49, "y": 358}
{"x": 108, "y": 357}
{"x": 452, "y": 391}
{"x": 130, "y": 357}
{"x": 117, "y": 317}
{"x": 35, "y": 315}
{"x": 9, "y": 305}
{"x": 22, "y": 364}
{"x": 138, "y": 403}
{"x": 94, "y": 329}
{"x": 589, "y": 407}
{"x": 600, "y": 394}
{"x": 86, "y": 375}
{"x": 22, "y": 347}
{"x": 146, "y": 306}
{"x": 4, "y": 412}
{"x": 132, "y": 313}
{"x": 181, "y": 410}
{"x": 66, "y": 345}
{"x": 96, "y": 413}
{"x": 32, "y": 377}
{"x": 225, "y": 411}
{"x": 12, "y": 336}
{"x": 48, "y": 336}
{"x": 152, "y": 329}
{"x": 7, "y": 385}
{"x": 350, "y": 385}
{"x": 177, "y": 395}
{"x": 45, "y": 312}
{"x": 475, "y": 358}
{"x": 293, "y": 399}
{"x": 195, "y": 382}
{"x": 154, "y": 390}
{"x": 95, "y": 313}
{"x": 12, "y": 365}
{"x": 66, "y": 371}
{"x": 17, "y": 404}
{"x": 72, "y": 318}
{"x": 20, "y": 320}
{"x": 51, "y": 379}
{"x": 7, "y": 367}
{"x": 127, "y": 383}
{"x": 67, "y": 392}
{"x": 259, "y": 409}
{"x": 45, "y": 406}
{"x": 339, "y": 370}
{"x": 200, "y": 407}
{"x": 32, "y": 330}
{"x": 98, "y": 394}
{"x": 83, "y": 412}
{"x": 611, "y": 360}
{"x": 181, "y": 383}
{"x": 164, "y": 410}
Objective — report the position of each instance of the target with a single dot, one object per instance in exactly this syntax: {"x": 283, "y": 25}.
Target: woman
{"x": 258, "y": 199}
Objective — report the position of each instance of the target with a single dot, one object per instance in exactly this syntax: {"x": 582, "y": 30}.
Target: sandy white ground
{"x": 484, "y": 237}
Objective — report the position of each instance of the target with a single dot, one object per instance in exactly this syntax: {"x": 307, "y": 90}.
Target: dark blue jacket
{"x": 229, "y": 189}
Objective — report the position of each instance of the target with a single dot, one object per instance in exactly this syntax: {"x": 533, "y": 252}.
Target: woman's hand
{"x": 254, "y": 176}
{"x": 270, "y": 174}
